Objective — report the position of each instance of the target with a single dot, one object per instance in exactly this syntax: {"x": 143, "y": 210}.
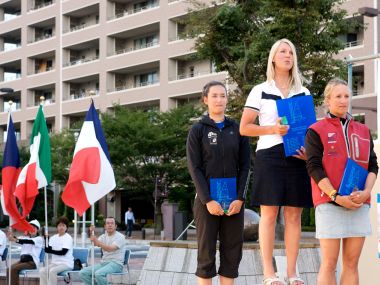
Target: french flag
{"x": 10, "y": 173}
{"x": 91, "y": 175}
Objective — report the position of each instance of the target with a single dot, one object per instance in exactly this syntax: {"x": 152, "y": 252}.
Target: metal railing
{"x": 42, "y": 5}
{"x": 15, "y": 106}
{"x": 80, "y": 27}
{"x": 8, "y": 17}
{"x": 353, "y": 44}
{"x": 182, "y": 76}
{"x": 40, "y": 38}
{"x": 37, "y": 102}
{"x": 133, "y": 86}
{"x": 127, "y": 50}
{"x": 134, "y": 11}
{"x": 80, "y": 61}
{"x": 10, "y": 47}
{"x": 11, "y": 78}
{"x": 80, "y": 94}
{"x": 36, "y": 71}
{"x": 178, "y": 38}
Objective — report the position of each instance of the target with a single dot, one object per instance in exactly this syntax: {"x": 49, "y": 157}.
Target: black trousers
{"x": 229, "y": 229}
{"x": 129, "y": 228}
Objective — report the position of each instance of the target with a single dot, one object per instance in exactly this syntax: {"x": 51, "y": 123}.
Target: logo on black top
{"x": 212, "y": 138}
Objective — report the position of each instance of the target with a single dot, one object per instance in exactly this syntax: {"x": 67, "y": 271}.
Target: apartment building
{"x": 362, "y": 46}
{"x": 127, "y": 52}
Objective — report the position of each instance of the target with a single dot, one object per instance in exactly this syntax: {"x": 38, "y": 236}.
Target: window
{"x": 48, "y": 33}
{"x": 146, "y": 79}
{"x": 143, "y": 5}
{"x": 49, "y": 64}
{"x": 145, "y": 42}
{"x": 352, "y": 37}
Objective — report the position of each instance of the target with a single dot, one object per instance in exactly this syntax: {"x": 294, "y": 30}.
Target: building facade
{"x": 361, "y": 47}
{"x": 126, "y": 52}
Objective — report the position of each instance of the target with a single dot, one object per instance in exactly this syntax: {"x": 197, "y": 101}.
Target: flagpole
{"x": 46, "y": 234}
{"x": 75, "y": 227}
{"x": 10, "y": 255}
{"x": 93, "y": 246}
{"x": 10, "y": 227}
{"x": 42, "y": 103}
{"x": 84, "y": 230}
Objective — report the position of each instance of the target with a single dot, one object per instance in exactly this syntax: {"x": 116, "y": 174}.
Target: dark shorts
{"x": 280, "y": 180}
{"x": 229, "y": 231}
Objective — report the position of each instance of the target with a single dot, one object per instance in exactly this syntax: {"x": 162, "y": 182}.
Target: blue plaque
{"x": 299, "y": 113}
{"x": 223, "y": 191}
{"x": 354, "y": 176}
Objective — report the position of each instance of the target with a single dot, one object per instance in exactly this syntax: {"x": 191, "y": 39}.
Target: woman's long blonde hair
{"x": 296, "y": 79}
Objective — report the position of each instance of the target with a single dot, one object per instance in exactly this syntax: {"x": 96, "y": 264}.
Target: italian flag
{"x": 37, "y": 173}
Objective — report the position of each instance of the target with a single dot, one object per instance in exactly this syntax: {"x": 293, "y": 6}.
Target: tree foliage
{"x": 237, "y": 37}
{"x": 145, "y": 146}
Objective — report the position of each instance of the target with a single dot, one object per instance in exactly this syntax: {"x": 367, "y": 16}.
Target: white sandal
{"x": 272, "y": 281}
{"x": 294, "y": 280}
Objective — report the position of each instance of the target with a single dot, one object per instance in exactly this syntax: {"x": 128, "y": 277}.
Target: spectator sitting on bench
{"x": 112, "y": 245}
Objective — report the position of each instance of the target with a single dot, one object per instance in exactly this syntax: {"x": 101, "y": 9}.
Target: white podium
{"x": 369, "y": 264}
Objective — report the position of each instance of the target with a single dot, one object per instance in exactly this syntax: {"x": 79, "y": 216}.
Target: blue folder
{"x": 223, "y": 190}
{"x": 354, "y": 176}
{"x": 299, "y": 112}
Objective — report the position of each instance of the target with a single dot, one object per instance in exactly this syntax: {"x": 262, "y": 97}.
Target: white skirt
{"x": 332, "y": 221}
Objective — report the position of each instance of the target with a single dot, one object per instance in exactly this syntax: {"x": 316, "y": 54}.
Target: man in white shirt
{"x": 129, "y": 221}
{"x": 112, "y": 245}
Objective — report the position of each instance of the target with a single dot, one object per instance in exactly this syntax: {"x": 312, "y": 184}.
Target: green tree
{"x": 238, "y": 35}
{"x": 147, "y": 150}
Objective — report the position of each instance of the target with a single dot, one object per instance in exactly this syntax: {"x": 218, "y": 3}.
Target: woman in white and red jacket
{"x": 339, "y": 219}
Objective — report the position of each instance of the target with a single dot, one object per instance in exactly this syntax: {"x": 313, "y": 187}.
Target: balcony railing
{"x": 80, "y": 27}
{"x": 42, "y": 5}
{"x": 190, "y": 75}
{"x": 14, "y": 107}
{"x": 133, "y": 86}
{"x": 8, "y": 17}
{"x": 353, "y": 44}
{"x": 36, "y": 71}
{"x": 178, "y": 38}
{"x": 127, "y": 50}
{"x": 40, "y": 38}
{"x": 10, "y": 47}
{"x": 83, "y": 94}
{"x": 46, "y": 102}
{"x": 134, "y": 11}
{"x": 80, "y": 61}
{"x": 12, "y": 77}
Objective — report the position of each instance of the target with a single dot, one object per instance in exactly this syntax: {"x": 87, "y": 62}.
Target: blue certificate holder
{"x": 354, "y": 176}
{"x": 223, "y": 191}
{"x": 299, "y": 113}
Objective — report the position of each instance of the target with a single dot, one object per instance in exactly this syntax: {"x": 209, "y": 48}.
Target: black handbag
{"x": 77, "y": 264}
{"x": 26, "y": 258}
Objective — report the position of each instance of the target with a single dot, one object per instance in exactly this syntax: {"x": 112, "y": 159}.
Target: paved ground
{"x": 139, "y": 249}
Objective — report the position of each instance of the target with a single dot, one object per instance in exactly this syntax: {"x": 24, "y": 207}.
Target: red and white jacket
{"x": 339, "y": 143}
